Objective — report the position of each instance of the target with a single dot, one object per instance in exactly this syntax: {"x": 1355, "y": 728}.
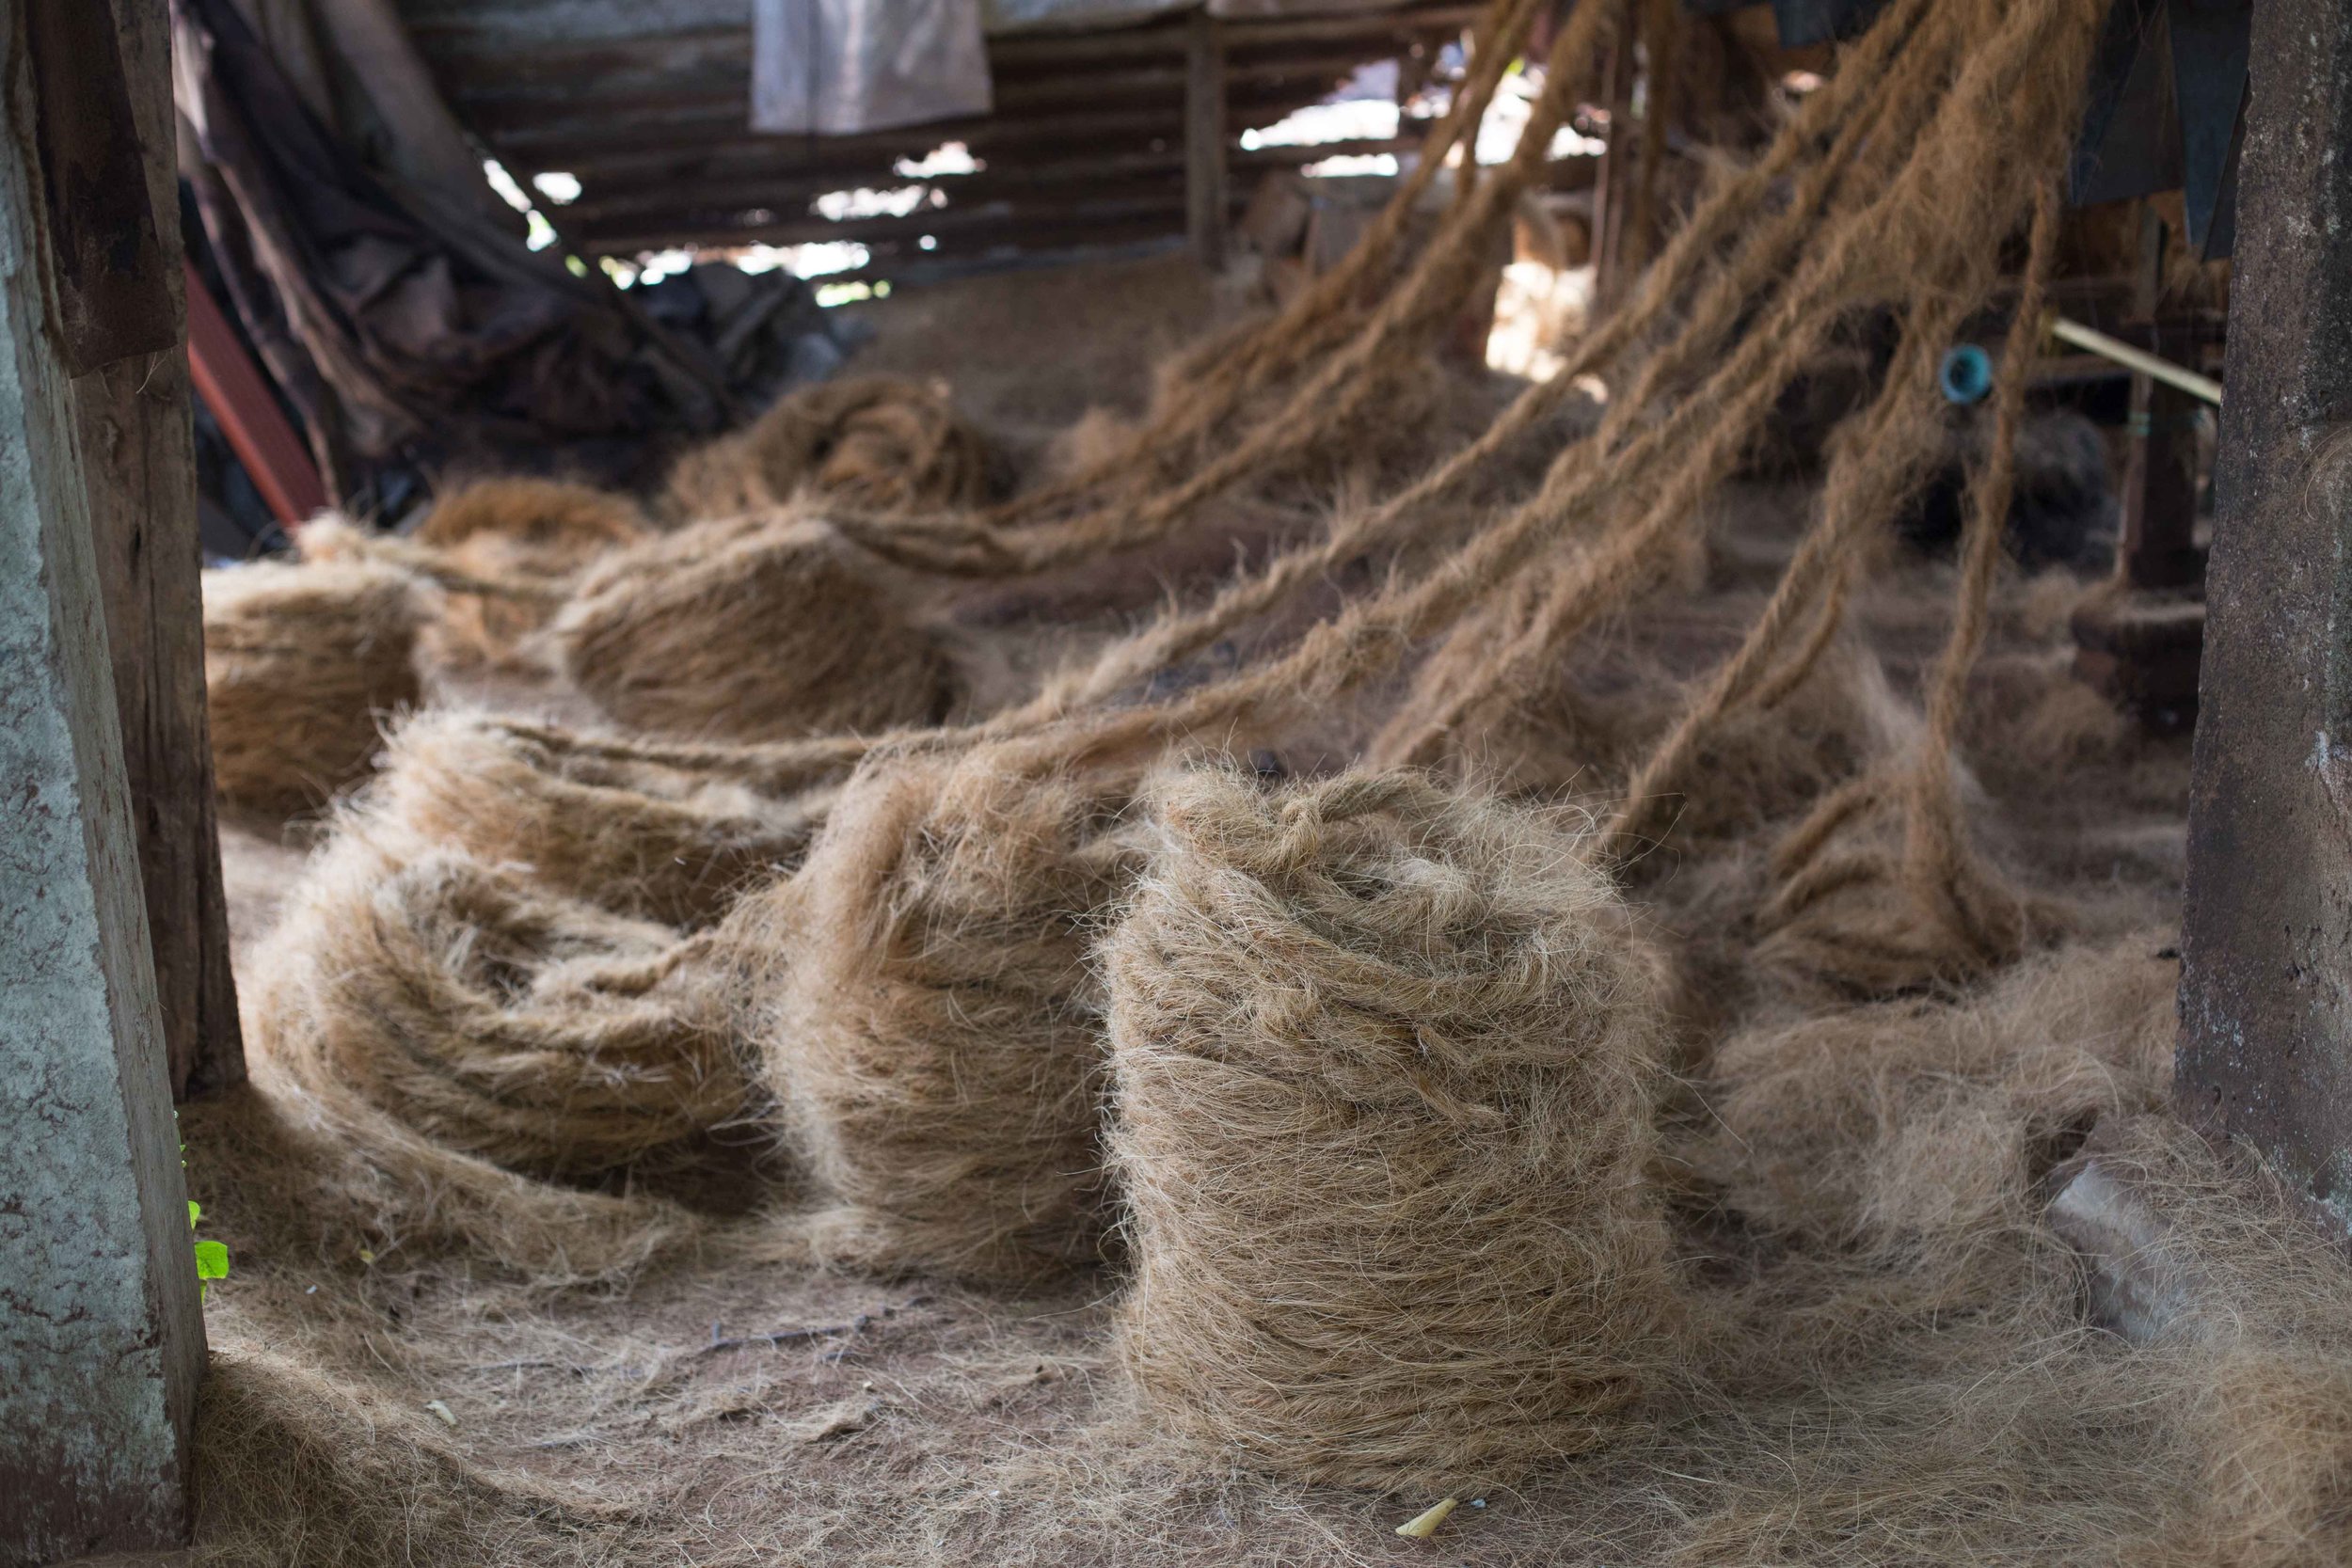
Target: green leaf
{"x": 211, "y": 1260}
{"x": 195, "y": 1213}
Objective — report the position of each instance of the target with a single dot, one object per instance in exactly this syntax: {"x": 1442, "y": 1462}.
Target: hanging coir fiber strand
{"x": 1343, "y": 390}
{"x": 1216, "y": 380}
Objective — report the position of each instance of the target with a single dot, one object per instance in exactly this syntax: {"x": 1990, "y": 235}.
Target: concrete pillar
{"x": 101, "y": 1338}
{"x": 2266, "y": 1049}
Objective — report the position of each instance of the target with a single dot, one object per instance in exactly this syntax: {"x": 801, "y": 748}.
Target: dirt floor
{"x": 376, "y": 1402}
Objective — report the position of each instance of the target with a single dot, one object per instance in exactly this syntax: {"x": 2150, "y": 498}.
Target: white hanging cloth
{"x": 835, "y": 68}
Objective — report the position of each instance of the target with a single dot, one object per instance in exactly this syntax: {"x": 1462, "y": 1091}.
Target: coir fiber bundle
{"x": 1927, "y": 1117}
{"x": 534, "y": 532}
{"x": 936, "y": 1039}
{"x": 493, "y": 1018}
{"x": 1382, "y": 1059}
{"x": 874, "y": 443}
{"x": 754, "y": 628}
{"x": 628, "y": 833}
{"x": 425, "y": 1032}
{"x": 301, "y": 662}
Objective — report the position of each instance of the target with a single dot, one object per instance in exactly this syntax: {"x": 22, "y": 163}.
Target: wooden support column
{"x": 2266, "y": 1047}
{"x": 138, "y": 460}
{"x": 1207, "y": 204}
{"x": 2160, "y": 543}
{"x": 100, "y": 1340}
{"x": 1613, "y": 187}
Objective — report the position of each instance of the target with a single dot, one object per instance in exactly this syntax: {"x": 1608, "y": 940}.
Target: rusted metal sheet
{"x": 2265, "y": 1050}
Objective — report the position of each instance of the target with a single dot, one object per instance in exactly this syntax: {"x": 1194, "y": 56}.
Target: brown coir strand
{"x": 301, "y": 665}
{"x": 587, "y": 819}
{"x": 1382, "y": 1059}
{"x": 755, "y": 628}
{"x": 531, "y": 531}
{"x": 936, "y": 1037}
{"x": 874, "y": 443}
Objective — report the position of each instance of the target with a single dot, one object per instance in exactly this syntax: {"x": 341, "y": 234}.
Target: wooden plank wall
{"x": 646, "y": 105}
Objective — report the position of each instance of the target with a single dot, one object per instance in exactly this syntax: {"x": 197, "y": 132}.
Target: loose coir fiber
{"x": 533, "y": 531}
{"x": 301, "y": 663}
{"x": 634, "y": 834}
{"x": 490, "y": 1018}
{"x": 1382, "y": 1062}
{"x": 756, "y": 628}
{"x": 874, "y": 443}
{"x": 936, "y": 1038}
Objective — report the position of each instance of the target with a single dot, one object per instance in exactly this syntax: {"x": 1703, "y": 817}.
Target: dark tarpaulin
{"x": 407, "y": 330}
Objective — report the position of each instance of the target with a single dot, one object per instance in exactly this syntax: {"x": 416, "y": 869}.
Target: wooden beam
{"x": 592, "y": 119}
{"x": 940, "y": 224}
{"x": 1612, "y": 186}
{"x": 2159, "y": 549}
{"x": 1205, "y": 196}
{"x": 784, "y": 194}
{"x": 101, "y": 1339}
{"x": 140, "y": 464}
{"x": 2266, "y": 1047}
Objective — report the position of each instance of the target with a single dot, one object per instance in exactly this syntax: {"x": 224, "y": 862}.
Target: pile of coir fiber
{"x": 1442, "y": 1208}
{"x": 536, "y": 532}
{"x": 302, "y": 665}
{"x": 934, "y": 1038}
{"x": 1384, "y": 1062}
{"x": 765, "y": 626}
{"x": 874, "y": 443}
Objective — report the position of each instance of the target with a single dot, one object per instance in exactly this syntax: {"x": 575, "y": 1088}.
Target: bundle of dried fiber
{"x": 757, "y": 628}
{"x": 1901, "y": 1118}
{"x": 874, "y": 443}
{"x": 635, "y": 834}
{"x": 301, "y": 662}
{"x": 1382, "y": 1060}
{"x": 535, "y": 1031}
{"x": 533, "y": 531}
{"x": 936, "y": 1039}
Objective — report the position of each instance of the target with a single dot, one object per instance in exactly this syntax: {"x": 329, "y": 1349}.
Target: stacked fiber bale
{"x": 534, "y": 533}
{"x": 936, "y": 1039}
{"x": 630, "y": 832}
{"x": 874, "y": 443}
{"x": 482, "y": 1017}
{"x": 1381, "y": 1059}
{"x": 756, "y": 628}
{"x": 301, "y": 663}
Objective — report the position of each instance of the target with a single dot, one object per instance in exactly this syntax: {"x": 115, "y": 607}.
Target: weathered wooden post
{"x": 2265, "y": 1050}
{"x": 140, "y": 464}
{"x": 100, "y": 1340}
{"x": 1206, "y": 201}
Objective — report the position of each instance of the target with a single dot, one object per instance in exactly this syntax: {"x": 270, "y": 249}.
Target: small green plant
{"x": 211, "y": 1258}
